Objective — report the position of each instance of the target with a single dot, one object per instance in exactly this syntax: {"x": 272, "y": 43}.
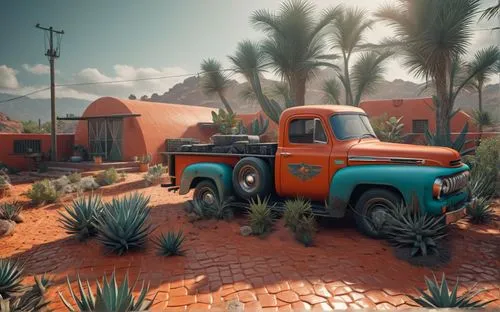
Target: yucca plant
{"x": 110, "y": 296}
{"x": 80, "y": 218}
{"x": 125, "y": 223}
{"x": 10, "y": 210}
{"x": 170, "y": 244}
{"x": 480, "y": 211}
{"x": 260, "y": 216}
{"x": 440, "y": 296}
{"x": 408, "y": 227}
{"x": 295, "y": 209}
{"x": 306, "y": 229}
{"x": 11, "y": 276}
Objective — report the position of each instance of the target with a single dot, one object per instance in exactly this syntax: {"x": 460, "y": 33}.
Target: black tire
{"x": 205, "y": 190}
{"x": 251, "y": 178}
{"x": 371, "y": 211}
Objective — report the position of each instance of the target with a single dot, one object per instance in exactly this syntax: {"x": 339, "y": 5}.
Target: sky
{"x": 129, "y": 39}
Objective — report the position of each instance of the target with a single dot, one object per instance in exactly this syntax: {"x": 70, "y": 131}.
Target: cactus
{"x": 259, "y": 125}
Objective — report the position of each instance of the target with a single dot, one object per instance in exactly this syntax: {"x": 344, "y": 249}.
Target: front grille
{"x": 454, "y": 163}
{"x": 455, "y": 183}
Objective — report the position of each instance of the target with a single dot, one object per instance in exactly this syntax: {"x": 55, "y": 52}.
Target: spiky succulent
{"x": 10, "y": 210}
{"x": 221, "y": 210}
{"x": 407, "y": 227}
{"x": 305, "y": 229}
{"x": 440, "y": 296}
{"x": 480, "y": 211}
{"x": 170, "y": 244}
{"x": 295, "y": 209}
{"x": 110, "y": 296}
{"x": 260, "y": 216}
{"x": 125, "y": 223}
{"x": 11, "y": 276}
{"x": 32, "y": 300}
{"x": 81, "y": 217}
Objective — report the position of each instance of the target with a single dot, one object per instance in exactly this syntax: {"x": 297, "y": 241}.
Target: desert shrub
{"x": 111, "y": 296}
{"x": 440, "y": 296}
{"x": 170, "y": 244}
{"x": 88, "y": 184}
{"x": 75, "y": 177}
{"x": 305, "y": 230}
{"x": 42, "y": 192}
{"x": 260, "y": 216}
{"x": 415, "y": 234}
{"x": 80, "y": 218}
{"x": 295, "y": 209}
{"x": 60, "y": 183}
{"x": 479, "y": 210}
{"x": 154, "y": 174}
{"x": 484, "y": 168}
{"x": 10, "y": 210}
{"x": 125, "y": 223}
{"x": 4, "y": 180}
{"x": 107, "y": 177}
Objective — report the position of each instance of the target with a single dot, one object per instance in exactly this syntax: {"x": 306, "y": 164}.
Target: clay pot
{"x": 98, "y": 160}
{"x": 143, "y": 167}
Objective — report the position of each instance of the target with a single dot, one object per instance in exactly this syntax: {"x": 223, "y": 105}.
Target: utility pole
{"x": 52, "y": 54}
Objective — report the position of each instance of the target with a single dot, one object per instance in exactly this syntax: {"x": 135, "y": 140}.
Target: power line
{"x": 24, "y": 95}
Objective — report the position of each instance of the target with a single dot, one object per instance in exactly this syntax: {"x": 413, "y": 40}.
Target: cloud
{"x": 38, "y": 69}
{"x": 8, "y": 79}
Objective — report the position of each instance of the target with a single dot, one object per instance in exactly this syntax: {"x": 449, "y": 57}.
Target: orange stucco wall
{"x": 65, "y": 144}
{"x": 414, "y": 109}
{"x": 147, "y": 133}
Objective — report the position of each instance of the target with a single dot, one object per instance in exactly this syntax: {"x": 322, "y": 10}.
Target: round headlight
{"x": 437, "y": 187}
{"x": 446, "y": 186}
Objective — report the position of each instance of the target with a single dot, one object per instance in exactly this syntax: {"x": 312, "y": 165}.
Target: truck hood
{"x": 373, "y": 152}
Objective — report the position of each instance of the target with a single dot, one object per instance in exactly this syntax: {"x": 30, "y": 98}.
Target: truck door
{"x": 304, "y": 159}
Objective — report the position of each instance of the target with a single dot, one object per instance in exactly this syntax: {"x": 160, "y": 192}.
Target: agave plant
{"x": 32, "y": 300}
{"x": 221, "y": 210}
{"x": 260, "y": 216}
{"x": 259, "y": 125}
{"x": 439, "y": 296}
{"x": 10, "y": 278}
{"x": 110, "y": 296}
{"x": 407, "y": 227}
{"x": 480, "y": 211}
{"x": 170, "y": 244}
{"x": 295, "y": 209}
{"x": 306, "y": 229}
{"x": 125, "y": 223}
{"x": 81, "y": 217}
{"x": 10, "y": 211}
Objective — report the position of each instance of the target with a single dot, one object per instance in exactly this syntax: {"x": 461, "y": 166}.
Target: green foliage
{"x": 31, "y": 126}
{"x": 125, "y": 223}
{"x": 215, "y": 81}
{"x": 111, "y": 296}
{"x": 145, "y": 159}
{"x": 4, "y": 179}
{"x": 479, "y": 210}
{"x": 485, "y": 166}
{"x": 408, "y": 227}
{"x": 75, "y": 177}
{"x": 440, "y": 296}
{"x": 331, "y": 89}
{"x": 10, "y": 210}
{"x": 306, "y": 229}
{"x": 220, "y": 210}
{"x": 260, "y": 216}
{"x": 170, "y": 244}
{"x": 259, "y": 126}
{"x": 81, "y": 217}
{"x": 42, "y": 192}
{"x": 107, "y": 177}
{"x": 11, "y": 277}
{"x": 445, "y": 139}
{"x": 481, "y": 118}
{"x": 154, "y": 174}
{"x": 295, "y": 209}
{"x": 388, "y": 129}
{"x": 225, "y": 121}
{"x": 31, "y": 300}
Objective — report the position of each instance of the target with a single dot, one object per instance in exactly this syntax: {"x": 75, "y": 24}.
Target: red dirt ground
{"x": 343, "y": 270}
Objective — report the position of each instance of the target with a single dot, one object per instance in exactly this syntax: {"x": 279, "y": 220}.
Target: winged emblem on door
{"x": 304, "y": 171}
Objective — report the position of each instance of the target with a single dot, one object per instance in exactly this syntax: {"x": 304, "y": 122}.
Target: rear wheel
{"x": 206, "y": 194}
{"x": 252, "y": 177}
{"x": 371, "y": 211}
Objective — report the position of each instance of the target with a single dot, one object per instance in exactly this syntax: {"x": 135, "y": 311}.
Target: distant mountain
{"x": 8, "y": 125}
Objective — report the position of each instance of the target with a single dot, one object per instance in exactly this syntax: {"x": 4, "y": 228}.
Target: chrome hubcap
{"x": 208, "y": 198}
{"x": 248, "y": 178}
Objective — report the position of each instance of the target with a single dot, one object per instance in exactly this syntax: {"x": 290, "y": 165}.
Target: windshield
{"x": 351, "y": 126}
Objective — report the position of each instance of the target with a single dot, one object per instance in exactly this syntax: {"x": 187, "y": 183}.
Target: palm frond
{"x": 367, "y": 72}
{"x": 332, "y": 89}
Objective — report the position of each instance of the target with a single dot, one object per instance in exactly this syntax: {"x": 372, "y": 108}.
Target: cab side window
{"x": 306, "y": 131}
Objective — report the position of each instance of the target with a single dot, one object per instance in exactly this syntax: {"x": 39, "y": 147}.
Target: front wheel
{"x": 372, "y": 211}
{"x": 206, "y": 194}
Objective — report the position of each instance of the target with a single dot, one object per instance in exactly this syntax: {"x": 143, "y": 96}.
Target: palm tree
{"x": 331, "y": 89}
{"x": 431, "y": 35}
{"x": 294, "y": 47}
{"x": 491, "y": 11}
{"x": 214, "y": 81}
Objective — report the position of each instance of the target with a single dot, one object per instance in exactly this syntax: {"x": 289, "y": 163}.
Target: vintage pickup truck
{"x": 330, "y": 155}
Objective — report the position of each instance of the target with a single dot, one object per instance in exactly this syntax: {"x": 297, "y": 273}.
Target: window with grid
{"x": 27, "y": 146}
{"x": 420, "y": 126}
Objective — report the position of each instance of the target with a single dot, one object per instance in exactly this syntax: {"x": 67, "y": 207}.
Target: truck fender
{"x": 220, "y": 174}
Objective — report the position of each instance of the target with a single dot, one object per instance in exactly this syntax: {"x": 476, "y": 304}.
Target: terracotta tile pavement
{"x": 343, "y": 270}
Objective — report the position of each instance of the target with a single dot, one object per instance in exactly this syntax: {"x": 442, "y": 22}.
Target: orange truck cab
{"x": 330, "y": 155}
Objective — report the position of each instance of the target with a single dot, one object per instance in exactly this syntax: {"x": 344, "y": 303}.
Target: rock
{"x": 7, "y": 227}
{"x": 245, "y": 230}
{"x": 18, "y": 219}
